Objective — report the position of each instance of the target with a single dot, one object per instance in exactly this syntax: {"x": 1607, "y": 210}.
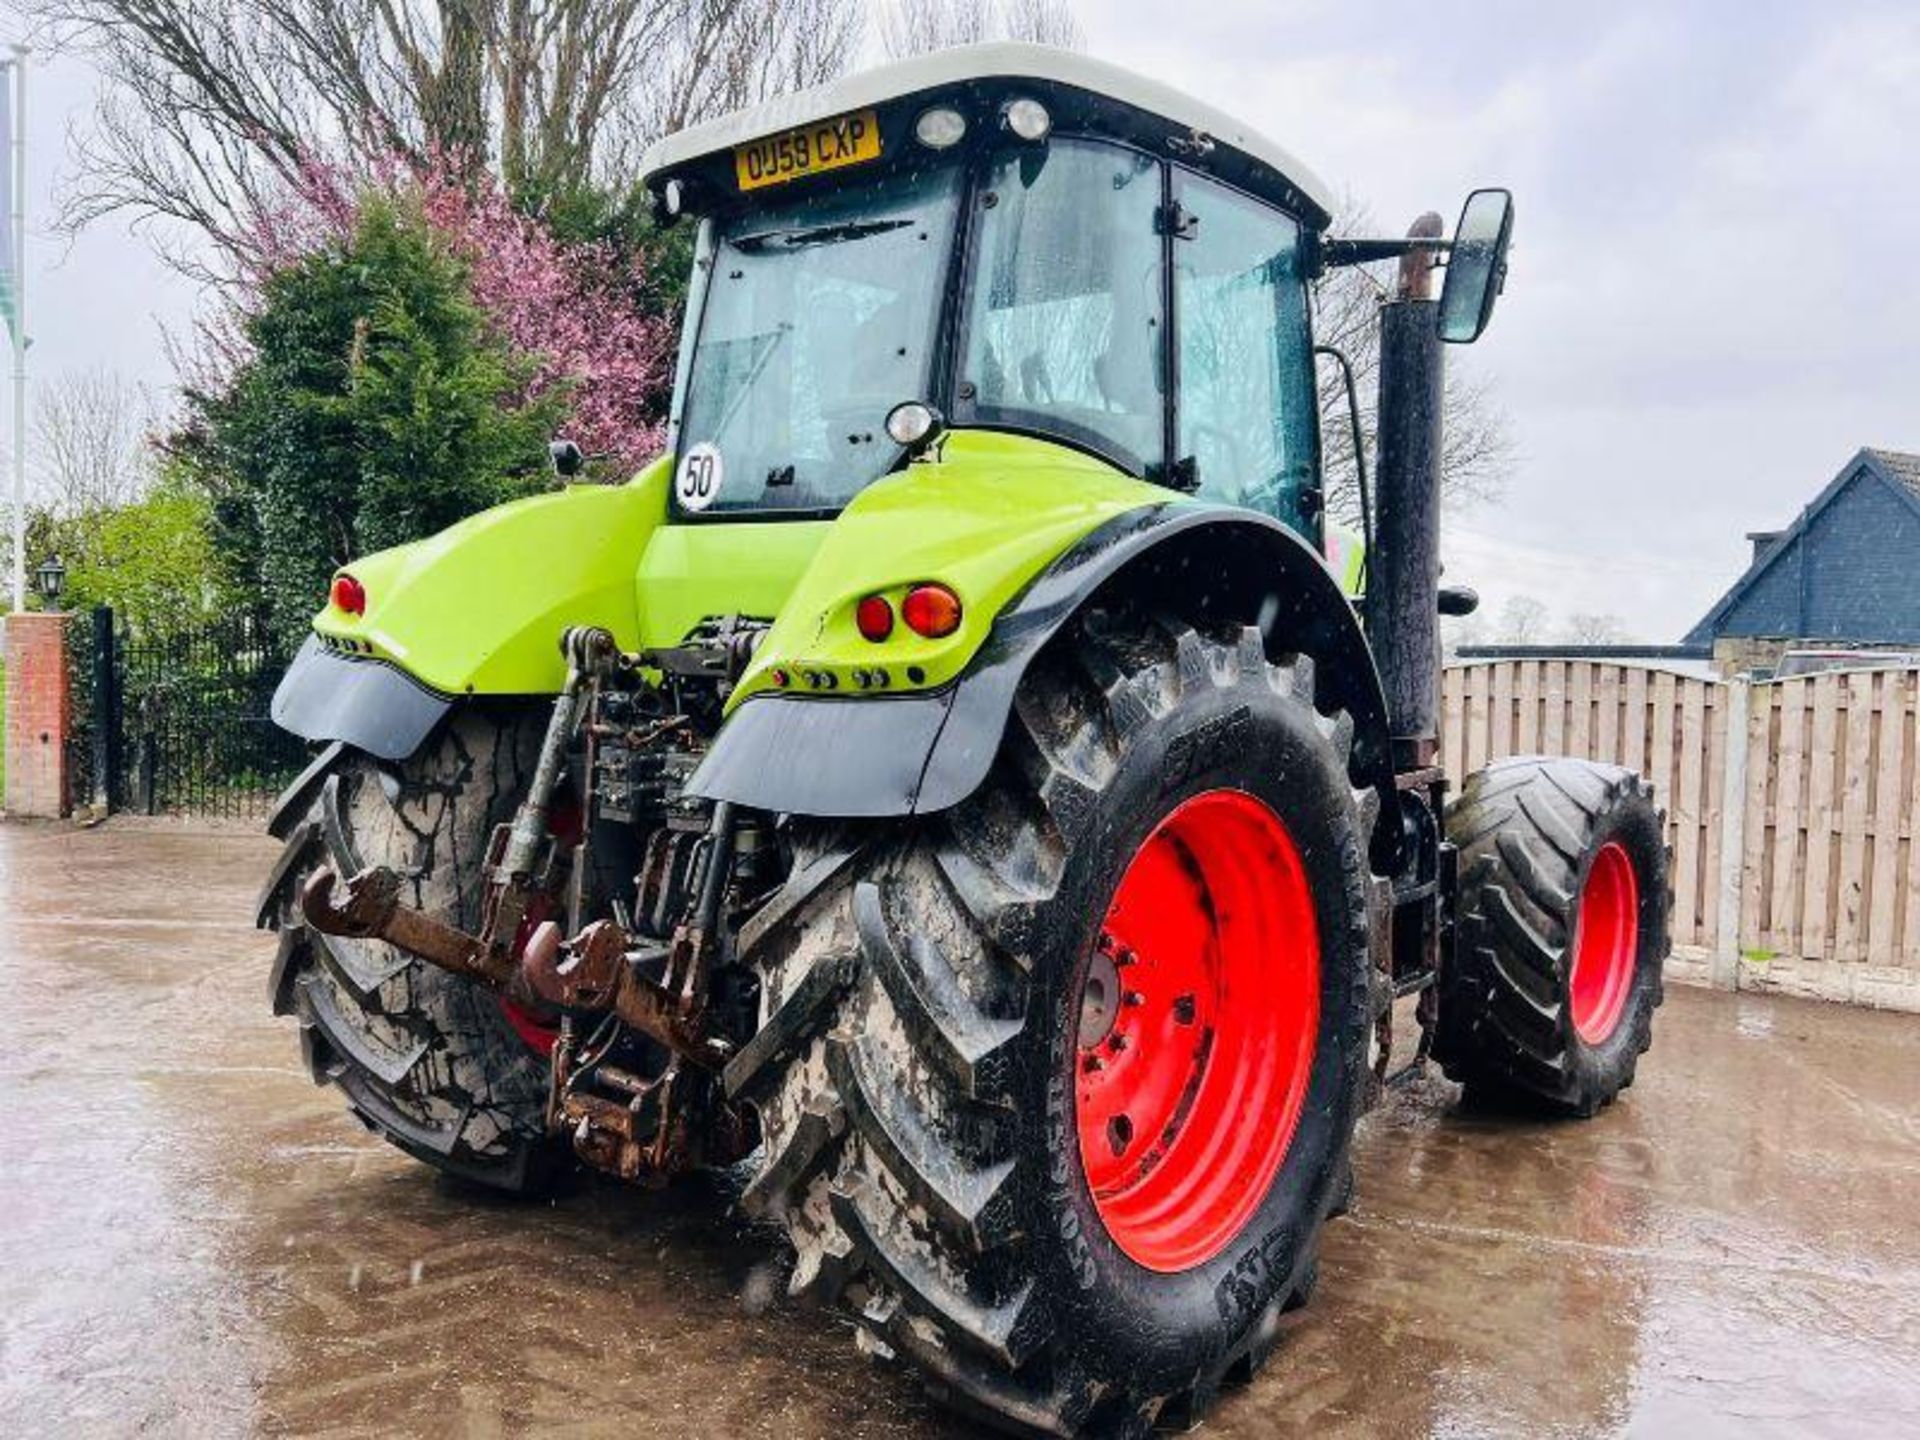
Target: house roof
{"x": 1004, "y": 60}
{"x": 1897, "y": 466}
{"x": 1897, "y": 469}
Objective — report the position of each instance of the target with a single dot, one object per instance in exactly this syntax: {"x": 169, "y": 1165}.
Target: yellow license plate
{"x": 808, "y": 150}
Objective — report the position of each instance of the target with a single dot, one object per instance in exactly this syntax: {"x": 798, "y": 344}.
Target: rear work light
{"x": 348, "y": 594}
{"x": 874, "y": 617}
{"x": 932, "y": 611}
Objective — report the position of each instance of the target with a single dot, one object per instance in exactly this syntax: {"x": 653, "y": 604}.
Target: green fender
{"x": 479, "y": 608}
{"x": 893, "y": 753}
{"x": 983, "y": 517}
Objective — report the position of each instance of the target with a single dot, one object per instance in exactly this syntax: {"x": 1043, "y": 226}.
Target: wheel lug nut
{"x": 1134, "y": 997}
{"x": 1105, "y": 944}
{"x": 1124, "y": 957}
{"x": 1183, "y": 1010}
{"x": 1093, "y": 1063}
{"x": 1116, "y": 1042}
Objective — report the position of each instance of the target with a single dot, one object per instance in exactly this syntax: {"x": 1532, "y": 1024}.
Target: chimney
{"x": 1763, "y": 541}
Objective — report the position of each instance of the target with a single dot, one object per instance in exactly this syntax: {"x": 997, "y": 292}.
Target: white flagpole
{"x": 19, "y": 328}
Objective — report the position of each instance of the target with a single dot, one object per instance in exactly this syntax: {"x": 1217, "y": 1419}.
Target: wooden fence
{"x": 1808, "y": 883}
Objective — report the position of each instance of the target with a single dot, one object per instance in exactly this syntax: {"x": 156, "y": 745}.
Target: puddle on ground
{"x": 197, "y": 1240}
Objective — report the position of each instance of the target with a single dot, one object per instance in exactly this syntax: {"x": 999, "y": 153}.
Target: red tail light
{"x": 931, "y": 610}
{"x": 874, "y": 616}
{"x": 348, "y": 594}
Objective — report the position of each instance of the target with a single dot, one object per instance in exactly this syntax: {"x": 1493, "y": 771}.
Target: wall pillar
{"x": 39, "y": 717}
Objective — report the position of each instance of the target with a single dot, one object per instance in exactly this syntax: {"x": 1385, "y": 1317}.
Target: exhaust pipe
{"x": 1403, "y": 570}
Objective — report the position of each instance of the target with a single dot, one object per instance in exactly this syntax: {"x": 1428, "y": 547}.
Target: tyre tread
{"x": 882, "y": 1089}
{"x": 424, "y": 1059}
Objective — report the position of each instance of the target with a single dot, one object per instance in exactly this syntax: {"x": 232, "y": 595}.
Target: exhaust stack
{"x": 1403, "y": 570}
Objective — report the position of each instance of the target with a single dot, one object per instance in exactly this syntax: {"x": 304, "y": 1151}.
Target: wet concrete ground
{"x": 194, "y": 1240}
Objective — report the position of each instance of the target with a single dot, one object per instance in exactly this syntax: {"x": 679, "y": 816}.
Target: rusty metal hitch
{"x": 599, "y": 969}
{"x": 594, "y": 972}
{"x": 371, "y": 910}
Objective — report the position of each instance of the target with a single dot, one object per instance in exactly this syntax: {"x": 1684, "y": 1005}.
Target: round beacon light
{"x": 940, "y": 128}
{"x": 913, "y": 423}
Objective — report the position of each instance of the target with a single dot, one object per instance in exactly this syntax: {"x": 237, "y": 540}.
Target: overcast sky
{"x": 1713, "y": 300}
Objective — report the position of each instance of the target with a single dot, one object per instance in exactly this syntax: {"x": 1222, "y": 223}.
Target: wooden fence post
{"x": 1725, "y": 969}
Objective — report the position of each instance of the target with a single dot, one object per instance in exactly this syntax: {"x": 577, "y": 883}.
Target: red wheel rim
{"x": 1606, "y": 945}
{"x": 1198, "y": 1020}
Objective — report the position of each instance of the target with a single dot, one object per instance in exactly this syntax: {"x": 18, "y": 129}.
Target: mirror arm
{"x": 1336, "y": 253}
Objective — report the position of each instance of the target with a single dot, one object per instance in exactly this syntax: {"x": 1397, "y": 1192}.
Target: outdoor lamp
{"x": 49, "y": 578}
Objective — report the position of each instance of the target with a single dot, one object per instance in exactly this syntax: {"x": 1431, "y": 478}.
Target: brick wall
{"x": 39, "y": 715}
{"x": 1738, "y": 654}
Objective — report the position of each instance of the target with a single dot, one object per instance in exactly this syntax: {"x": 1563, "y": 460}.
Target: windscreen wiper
{"x": 796, "y": 239}
{"x": 745, "y": 388}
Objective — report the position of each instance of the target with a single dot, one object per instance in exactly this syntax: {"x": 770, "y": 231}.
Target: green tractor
{"x": 952, "y": 788}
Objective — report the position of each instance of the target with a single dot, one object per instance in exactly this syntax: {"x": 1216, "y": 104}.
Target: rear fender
{"x": 477, "y": 609}
{"x": 919, "y": 754}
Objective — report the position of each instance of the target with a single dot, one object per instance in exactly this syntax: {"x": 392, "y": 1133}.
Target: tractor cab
{"x": 1001, "y": 237}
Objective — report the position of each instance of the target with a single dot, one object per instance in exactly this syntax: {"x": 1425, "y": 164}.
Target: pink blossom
{"x": 570, "y": 310}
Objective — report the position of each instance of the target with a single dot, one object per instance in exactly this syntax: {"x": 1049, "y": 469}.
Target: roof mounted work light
{"x": 1028, "y": 119}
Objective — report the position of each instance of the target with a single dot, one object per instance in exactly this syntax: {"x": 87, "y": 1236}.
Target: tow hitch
{"x": 601, "y": 972}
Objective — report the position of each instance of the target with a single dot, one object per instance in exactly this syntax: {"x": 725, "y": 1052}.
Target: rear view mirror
{"x": 567, "y": 457}
{"x": 1476, "y": 266}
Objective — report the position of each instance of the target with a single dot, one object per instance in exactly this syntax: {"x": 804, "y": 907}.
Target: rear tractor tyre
{"x": 1057, "y": 1088}
{"x": 1562, "y": 933}
{"x": 428, "y": 1061}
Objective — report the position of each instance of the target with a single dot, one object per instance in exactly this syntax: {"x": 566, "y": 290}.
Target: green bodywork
{"x": 480, "y": 607}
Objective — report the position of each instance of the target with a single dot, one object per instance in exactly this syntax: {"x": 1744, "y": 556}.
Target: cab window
{"x": 1064, "y": 326}
{"x": 1247, "y": 418}
{"x": 817, "y": 316}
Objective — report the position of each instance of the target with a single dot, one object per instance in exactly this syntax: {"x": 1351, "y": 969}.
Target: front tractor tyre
{"x": 1562, "y": 933}
{"x": 431, "y": 1062}
{"x": 1057, "y": 1088}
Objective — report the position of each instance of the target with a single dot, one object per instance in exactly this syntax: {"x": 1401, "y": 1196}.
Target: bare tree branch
{"x": 1043, "y": 22}
{"x": 215, "y": 105}
{"x": 1477, "y": 449}
{"x": 1583, "y": 628}
{"x": 914, "y": 27}
{"x": 90, "y": 435}
{"x": 1523, "y": 621}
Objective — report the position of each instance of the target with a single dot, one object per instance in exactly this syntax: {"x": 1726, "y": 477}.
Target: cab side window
{"x": 1066, "y": 331}
{"x": 1246, "y": 407}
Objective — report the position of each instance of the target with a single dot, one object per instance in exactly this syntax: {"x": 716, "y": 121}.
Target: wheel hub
{"x": 1099, "y": 996}
{"x": 1197, "y": 1023}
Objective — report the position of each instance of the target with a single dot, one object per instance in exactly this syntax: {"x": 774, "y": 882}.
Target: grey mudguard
{"x": 366, "y": 703}
{"x": 841, "y": 757}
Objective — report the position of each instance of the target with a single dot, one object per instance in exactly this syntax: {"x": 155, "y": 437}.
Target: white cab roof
{"x": 1004, "y": 60}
